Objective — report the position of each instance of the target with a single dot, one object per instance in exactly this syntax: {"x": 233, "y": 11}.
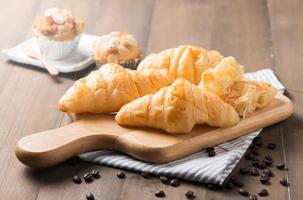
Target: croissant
{"x": 177, "y": 108}
{"x": 110, "y": 87}
{"x": 226, "y": 80}
{"x": 246, "y": 96}
{"x": 187, "y": 62}
{"x": 107, "y": 89}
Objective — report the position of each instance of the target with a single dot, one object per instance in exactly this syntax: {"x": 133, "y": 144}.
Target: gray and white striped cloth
{"x": 197, "y": 167}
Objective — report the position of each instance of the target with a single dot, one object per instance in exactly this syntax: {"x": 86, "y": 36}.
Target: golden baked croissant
{"x": 226, "y": 80}
{"x": 107, "y": 89}
{"x": 177, "y": 108}
{"x": 185, "y": 61}
{"x": 246, "y": 96}
{"x": 112, "y": 86}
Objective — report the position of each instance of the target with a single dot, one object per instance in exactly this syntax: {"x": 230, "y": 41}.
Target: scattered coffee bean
{"x": 160, "y": 194}
{"x": 145, "y": 175}
{"x": 269, "y": 157}
{"x": 174, "y": 182}
{"x": 268, "y": 172}
{"x": 255, "y": 159}
{"x": 264, "y": 179}
{"x": 259, "y": 164}
{"x": 268, "y": 162}
{"x": 248, "y": 156}
{"x": 90, "y": 196}
{"x": 254, "y": 171}
{"x": 281, "y": 166}
{"x": 228, "y": 185}
{"x": 253, "y": 197}
{"x": 88, "y": 177}
{"x": 164, "y": 179}
{"x": 243, "y": 192}
{"x": 284, "y": 182}
{"x": 271, "y": 146}
{"x": 211, "y": 153}
{"x": 190, "y": 195}
{"x": 95, "y": 173}
{"x": 255, "y": 151}
{"x": 210, "y": 149}
{"x": 263, "y": 193}
{"x": 243, "y": 170}
{"x": 258, "y": 141}
{"x": 235, "y": 181}
{"x": 77, "y": 180}
{"x": 121, "y": 175}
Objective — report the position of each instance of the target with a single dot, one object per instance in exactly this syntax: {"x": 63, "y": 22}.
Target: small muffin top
{"x": 120, "y": 45}
{"x": 58, "y": 24}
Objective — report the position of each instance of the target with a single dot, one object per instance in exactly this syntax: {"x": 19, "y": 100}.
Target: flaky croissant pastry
{"x": 226, "y": 80}
{"x": 109, "y": 88}
{"x": 177, "y": 108}
{"x": 187, "y": 62}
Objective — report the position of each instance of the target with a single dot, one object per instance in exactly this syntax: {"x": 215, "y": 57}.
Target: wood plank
{"x": 288, "y": 47}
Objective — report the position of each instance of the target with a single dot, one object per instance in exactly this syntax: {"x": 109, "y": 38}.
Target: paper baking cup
{"x": 56, "y": 50}
{"x": 130, "y": 64}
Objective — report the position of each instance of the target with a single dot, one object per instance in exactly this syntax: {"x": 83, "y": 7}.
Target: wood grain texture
{"x": 288, "y": 48}
{"x": 259, "y": 33}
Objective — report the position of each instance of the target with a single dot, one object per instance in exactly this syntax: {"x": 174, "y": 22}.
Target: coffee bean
{"x": 235, "y": 181}
{"x": 238, "y": 183}
{"x": 253, "y": 197}
{"x": 145, "y": 175}
{"x": 254, "y": 171}
{"x": 174, "y": 182}
{"x": 271, "y": 146}
{"x": 248, "y": 156}
{"x": 280, "y": 166}
{"x": 121, "y": 175}
{"x": 269, "y": 157}
{"x": 259, "y": 164}
{"x": 268, "y": 162}
{"x": 228, "y": 185}
{"x": 95, "y": 173}
{"x": 268, "y": 172}
{"x": 263, "y": 193}
{"x": 243, "y": 170}
{"x": 210, "y": 149}
{"x": 284, "y": 182}
{"x": 90, "y": 196}
{"x": 164, "y": 179}
{"x": 190, "y": 195}
{"x": 88, "y": 177}
{"x": 258, "y": 141}
{"x": 77, "y": 180}
{"x": 264, "y": 179}
{"x": 211, "y": 153}
{"x": 160, "y": 194}
{"x": 255, "y": 151}
{"x": 243, "y": 192}
{"x": 255, "y": 159}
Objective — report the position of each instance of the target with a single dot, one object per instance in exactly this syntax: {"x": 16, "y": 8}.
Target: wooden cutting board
{"x": 92, "y": 132}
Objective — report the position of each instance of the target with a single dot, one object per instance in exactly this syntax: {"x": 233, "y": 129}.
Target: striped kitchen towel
{"x": 197, "y": 167}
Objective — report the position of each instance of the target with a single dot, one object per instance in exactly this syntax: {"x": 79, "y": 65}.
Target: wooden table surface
{"x": 259, "y": 33}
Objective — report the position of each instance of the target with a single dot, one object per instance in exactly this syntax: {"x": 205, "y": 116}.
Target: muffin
{"x": 58, "y": 33}
{"x": 117, "y": 47}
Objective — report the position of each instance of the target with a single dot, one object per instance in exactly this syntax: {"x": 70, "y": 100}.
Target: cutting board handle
{"x": 51, "y": 147}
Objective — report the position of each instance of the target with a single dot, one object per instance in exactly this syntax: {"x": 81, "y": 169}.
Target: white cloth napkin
{"x": 197, "y": 167}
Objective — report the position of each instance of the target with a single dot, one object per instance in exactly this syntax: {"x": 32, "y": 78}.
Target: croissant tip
{"x": 62, "y": 107}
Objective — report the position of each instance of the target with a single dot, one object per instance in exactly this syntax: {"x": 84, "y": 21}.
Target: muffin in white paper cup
{"x": 58, "y": 33}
